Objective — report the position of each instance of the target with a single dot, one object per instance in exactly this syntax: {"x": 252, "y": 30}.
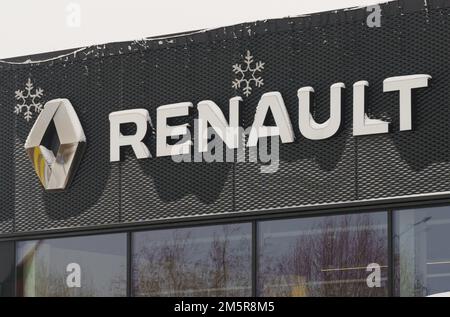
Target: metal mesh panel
{"x": 316, "y": 50}
{"x": 6, "y": 151}
{"x": 94, "y": 194}
{"x": 310, "y": 172}
{"x": 411, "y": 162}
{"x": 160, "y": 188}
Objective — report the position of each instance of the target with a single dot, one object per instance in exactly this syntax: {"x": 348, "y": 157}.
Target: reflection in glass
{"x": 323, "y": 256}
{"x": 81, "y": 266}
{"x": 422, "y": 251}
{"x": 201, "y": 261}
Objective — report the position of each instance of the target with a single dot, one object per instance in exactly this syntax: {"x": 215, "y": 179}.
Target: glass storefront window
{"x": 338, "y": 255}
{"x": 6, "y": 269}
{"x": 79, "y": 266}
{"x": 422, "y": 251}
{"x": 344, "y": 255}
{"x": 199, "y": 261}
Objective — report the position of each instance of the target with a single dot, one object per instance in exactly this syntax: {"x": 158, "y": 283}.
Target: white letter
{"x": 74, "y": 278}
{"x": 163, "y": 130}
{"x": 283, "y": 128}
{"x": 215, "y": 148}
{"x": 139, "y": 117}
{"x": 374, "y": 278}
{"x": 362, "y": 124}
{"x": 73, "y": 18}
{"x": 273, "y": 158}
{"x": 307, "y": 125}
{"x": 208, "y": 111}
{"x": 405, "y": 84}
{"x": 374, "y": 18}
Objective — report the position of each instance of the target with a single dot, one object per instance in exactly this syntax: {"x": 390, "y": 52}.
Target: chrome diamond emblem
{"x": 55, "y": 144}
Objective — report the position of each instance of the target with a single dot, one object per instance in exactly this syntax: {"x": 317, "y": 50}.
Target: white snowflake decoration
{"x": 29, "y": 100}
{"x": 248, "y": 74}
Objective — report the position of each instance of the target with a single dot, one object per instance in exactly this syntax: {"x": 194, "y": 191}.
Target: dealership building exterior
{"x": 103, "y": 194}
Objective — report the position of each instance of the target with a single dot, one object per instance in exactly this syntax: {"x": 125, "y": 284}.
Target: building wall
{"x": 316, "y": 50}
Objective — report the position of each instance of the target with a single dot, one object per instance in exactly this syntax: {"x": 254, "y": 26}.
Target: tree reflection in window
{"x": 201, "y": 261}
{"x": 322, "y": 256}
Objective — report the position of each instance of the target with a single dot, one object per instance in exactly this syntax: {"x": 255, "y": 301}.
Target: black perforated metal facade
{"x": 317, "y": 50}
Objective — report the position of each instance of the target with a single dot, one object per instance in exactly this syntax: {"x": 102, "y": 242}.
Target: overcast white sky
{"x": 36, "y": 26}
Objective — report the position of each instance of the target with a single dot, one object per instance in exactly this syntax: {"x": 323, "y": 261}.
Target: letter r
{"x": 141, "y": 118}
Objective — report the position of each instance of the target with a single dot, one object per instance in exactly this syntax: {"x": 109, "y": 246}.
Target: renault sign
{"x": 55, "y": 144}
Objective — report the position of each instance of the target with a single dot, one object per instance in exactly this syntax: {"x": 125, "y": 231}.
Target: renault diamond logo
{"x": 55, "y": 144}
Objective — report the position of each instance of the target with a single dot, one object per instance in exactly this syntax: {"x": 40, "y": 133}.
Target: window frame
{"x": 244, "y": 217}
{"x": 386, "y": 213}
{"x": 252, "y": 244}
{"x": 51, "y": 237}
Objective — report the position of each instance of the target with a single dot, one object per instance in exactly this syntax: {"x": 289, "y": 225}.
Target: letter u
{"x": 309, "y": 128}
